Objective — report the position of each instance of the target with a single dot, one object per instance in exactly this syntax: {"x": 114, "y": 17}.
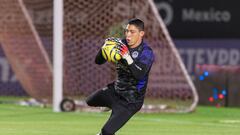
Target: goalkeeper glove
{"x": 124, "y": 52}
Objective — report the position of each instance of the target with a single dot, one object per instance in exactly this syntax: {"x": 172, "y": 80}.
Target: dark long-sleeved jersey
{"x": 132, "y": 79}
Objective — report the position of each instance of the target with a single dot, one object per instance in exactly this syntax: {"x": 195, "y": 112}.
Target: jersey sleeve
{"x": 141, "y": 66}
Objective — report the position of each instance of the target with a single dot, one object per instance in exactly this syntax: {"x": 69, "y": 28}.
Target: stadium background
{"x": 205, "y": 33}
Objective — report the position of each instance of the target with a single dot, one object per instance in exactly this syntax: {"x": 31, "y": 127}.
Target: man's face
{"x": 133, "y": 35}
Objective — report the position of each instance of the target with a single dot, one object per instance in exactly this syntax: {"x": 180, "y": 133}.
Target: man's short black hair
{"x": 138, "y": 23}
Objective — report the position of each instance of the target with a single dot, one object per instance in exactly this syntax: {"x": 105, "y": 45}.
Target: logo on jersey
{"x": 135, "y": 54}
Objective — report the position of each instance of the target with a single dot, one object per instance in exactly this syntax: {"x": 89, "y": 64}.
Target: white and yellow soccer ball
{"x": 110, "y": 51}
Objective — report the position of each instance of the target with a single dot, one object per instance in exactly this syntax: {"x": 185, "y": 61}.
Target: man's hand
{"x": 124, "y": 52}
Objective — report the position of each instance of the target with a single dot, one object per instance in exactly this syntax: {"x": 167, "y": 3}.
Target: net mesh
{"x": 86, "y": 25}
{"x": 24, "y": 50}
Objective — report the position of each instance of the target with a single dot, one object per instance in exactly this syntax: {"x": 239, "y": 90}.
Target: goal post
{"x": 178, "y": 57}
{"x": 88, "y": 23}
{"x": 58, "y": 54}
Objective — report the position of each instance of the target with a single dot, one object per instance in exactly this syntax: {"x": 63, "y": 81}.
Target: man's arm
{"x": 99, "y": 59}
{"x": 141, "y": 67}
{"x": 139, "y": 70}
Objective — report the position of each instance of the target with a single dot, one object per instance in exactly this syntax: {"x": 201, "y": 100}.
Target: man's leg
{"x": 120, "y": 115}
{"x": 100, "y": 98}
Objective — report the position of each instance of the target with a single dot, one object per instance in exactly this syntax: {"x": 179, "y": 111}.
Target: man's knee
{"x": 90, "y": 101}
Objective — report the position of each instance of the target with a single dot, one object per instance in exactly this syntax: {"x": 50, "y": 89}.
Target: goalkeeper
{"x": 125, "y": 96}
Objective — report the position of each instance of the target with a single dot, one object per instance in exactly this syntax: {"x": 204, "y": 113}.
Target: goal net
{"x": 26, "y": 37}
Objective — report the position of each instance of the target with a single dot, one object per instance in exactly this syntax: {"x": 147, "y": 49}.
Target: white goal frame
{"x": 58, "y": 54}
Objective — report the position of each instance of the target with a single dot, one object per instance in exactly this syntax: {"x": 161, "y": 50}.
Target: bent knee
{"x": 89, "y": 102}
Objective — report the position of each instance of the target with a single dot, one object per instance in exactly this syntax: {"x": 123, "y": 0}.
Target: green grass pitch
{"x": 20, "y": 120}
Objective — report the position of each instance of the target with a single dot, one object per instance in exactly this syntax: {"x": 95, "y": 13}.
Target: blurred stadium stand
{"x": 218, "y": 85}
